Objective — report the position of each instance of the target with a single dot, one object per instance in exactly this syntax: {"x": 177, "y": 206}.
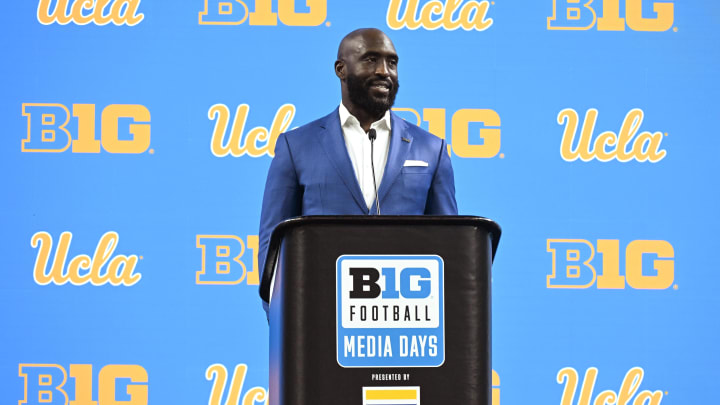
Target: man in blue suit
{"x": 332, "y": 167}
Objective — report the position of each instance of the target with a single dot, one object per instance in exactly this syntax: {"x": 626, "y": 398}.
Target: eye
{"x": 393, "y": 62}
{"x": 371, "y": 59}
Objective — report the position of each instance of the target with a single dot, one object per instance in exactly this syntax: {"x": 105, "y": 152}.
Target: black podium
{"x": 380, "y": 310}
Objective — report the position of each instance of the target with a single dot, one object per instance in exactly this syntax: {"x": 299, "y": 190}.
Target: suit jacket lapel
{"x": 396, "y": 155}
{"x": 331, "y": 138}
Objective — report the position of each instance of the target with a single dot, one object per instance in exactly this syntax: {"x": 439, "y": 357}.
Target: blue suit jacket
{"x": 312, "y": 174}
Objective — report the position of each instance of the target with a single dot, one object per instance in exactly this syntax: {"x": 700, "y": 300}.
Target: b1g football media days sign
{"x": 390, "y": 311}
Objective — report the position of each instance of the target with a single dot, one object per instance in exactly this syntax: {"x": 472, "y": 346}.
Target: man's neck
{"x": 365, "y": 119}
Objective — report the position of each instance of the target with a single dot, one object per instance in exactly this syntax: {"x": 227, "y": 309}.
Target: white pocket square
{"x": 417, "y": 163}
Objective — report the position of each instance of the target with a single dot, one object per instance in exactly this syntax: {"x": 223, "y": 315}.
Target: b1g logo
{"x": 449, "y": 15}
{"x": 390, "y": 311}
{"x": 649, "y": 264}
{"x": 82, "y": 12}
{"x": 257, "y": 142}
{"x": 116, "y": 383}
{"x": 221, "y": 264}
{"x": 484, "y": 124}
{"x": 235, "y": 12}
{"x": 582, "y": 15}
{"x": 124, "y": 128}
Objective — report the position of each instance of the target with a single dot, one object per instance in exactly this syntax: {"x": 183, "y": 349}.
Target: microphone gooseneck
{"x": 372, "y": 134}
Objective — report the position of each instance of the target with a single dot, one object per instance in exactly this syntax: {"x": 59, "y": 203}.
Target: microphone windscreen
{"x": 372, "y": 134}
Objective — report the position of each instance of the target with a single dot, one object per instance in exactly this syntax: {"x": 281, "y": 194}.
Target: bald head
{"x": 354, "y": 39}
{"x": 367, "y": 68}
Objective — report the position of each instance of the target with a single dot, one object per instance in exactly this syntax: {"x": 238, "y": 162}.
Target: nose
{"x": 381, "y": 68}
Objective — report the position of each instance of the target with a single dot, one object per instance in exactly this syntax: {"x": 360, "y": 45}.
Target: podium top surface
{"x": 286, "y": 226}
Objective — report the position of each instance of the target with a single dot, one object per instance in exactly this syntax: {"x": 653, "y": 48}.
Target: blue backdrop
{"x": 137, "y": 136}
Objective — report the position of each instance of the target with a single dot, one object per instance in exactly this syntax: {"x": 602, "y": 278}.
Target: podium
{"x": 380, "y": 310}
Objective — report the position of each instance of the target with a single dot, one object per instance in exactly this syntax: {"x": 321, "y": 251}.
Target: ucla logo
{"x": 124, "y": 128}
{"x": 434, "y": 14}
{"x": 390, "y": 311}
{"x": 483, "y": 122}
{"x": 582, "y": 15}
{"x": 102, "y": 268}
{"x": 83, "y": 12}
{"x": 495, "y": 388}
{"x": 45, "y": 384}
{"x": 219, "y": 375}
{"x": 221, "y": 264}
{"x": 628, "y": 393}
{"x": 235, "y": 12}
{"x": 649, "y": 264}
{"x": 624, "y": 146}
{"x": 257, "y": 142}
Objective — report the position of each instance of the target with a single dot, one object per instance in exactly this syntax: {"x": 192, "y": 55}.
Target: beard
{"x": 360, "y": 94}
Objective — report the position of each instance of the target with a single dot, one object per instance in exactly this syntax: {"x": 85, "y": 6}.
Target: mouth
{"x": 381, "y": 86}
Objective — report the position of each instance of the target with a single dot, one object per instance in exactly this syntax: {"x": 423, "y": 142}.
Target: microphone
{"x": 372, "y": 134}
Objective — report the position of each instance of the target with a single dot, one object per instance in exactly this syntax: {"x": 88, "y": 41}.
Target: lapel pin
{"x": 406, "y": 139}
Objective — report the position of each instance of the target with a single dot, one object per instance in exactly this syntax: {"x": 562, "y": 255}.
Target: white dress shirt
{"x": 358, "y": 147}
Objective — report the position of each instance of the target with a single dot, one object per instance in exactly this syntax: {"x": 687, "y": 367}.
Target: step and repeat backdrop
{"x": 137, "y": 136}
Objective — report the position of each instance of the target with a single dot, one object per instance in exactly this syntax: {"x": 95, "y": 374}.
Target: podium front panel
{"x": 436, "y": 352}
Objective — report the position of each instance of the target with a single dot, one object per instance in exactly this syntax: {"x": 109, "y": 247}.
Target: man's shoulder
{"x": 418, "y": 134}
{"x": 312, "y": 127}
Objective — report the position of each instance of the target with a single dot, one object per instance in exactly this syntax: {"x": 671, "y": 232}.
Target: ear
{"x": 340, "y": 69}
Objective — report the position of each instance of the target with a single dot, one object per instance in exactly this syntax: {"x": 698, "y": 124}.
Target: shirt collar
{"x": 346, "y": 118}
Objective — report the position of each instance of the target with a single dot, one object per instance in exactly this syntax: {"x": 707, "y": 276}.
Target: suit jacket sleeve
{"x": 441, "y": 196}
{"x": 282, "y": 198}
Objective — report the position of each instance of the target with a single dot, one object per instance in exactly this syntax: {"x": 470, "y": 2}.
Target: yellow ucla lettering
{"x": 82, "y": 269}
{"x": 495, "y": 388}
{"x": 219, "y": 375}
{"x": 221, "y": 262}
{"x": 46, "y": 130}
{"x": 472, "y": 15}
{"x": 489, "y": 133}
{"x": 623, "y": 146}
{"x": 581, "y": 15}
{"x": 235, "y": 12}
{"x": 628, "y": 389}
{"x": 83, "y": 12}
{"x": 572, "y": 264}
{"x": 259, "y": 140}
{"x": 43, "y": 384}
